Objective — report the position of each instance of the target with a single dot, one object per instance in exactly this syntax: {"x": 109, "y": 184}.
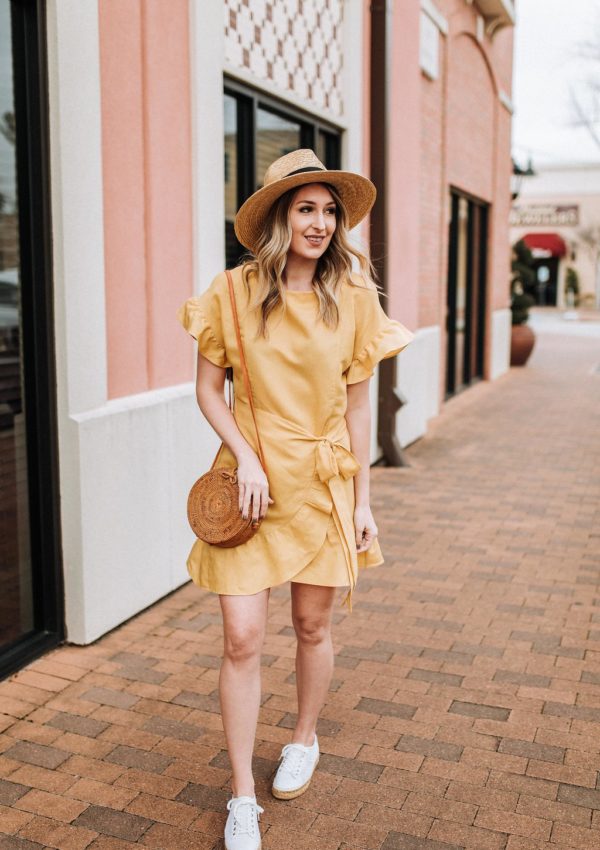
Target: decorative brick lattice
{"x": 295, "y": 44}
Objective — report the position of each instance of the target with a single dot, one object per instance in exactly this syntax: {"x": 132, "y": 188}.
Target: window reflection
{"x": 232, "y": 246}
{"x": 328, "y": 149}
{"x": 275, "y": 136}
{"x": 16, "y": 607}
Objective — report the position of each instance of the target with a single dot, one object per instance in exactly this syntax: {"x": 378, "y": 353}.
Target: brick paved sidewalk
{"x": 465, "y": 708}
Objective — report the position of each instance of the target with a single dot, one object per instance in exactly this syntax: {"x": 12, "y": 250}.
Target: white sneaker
{"x": 295, "y": 772}
{"x": 241, "y": 830}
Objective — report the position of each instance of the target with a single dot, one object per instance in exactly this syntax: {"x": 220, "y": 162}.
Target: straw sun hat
{"x": 292, "y": 170}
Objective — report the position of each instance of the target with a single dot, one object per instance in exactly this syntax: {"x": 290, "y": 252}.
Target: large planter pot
{"x": 521, "y": 344}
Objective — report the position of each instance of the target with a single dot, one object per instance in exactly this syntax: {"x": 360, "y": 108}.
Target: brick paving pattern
{"x": 465, "y": 706}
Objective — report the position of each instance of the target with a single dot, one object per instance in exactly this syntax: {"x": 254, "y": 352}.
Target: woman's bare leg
{"x": 311, "y": 615}
{"x": 244, "y": 623}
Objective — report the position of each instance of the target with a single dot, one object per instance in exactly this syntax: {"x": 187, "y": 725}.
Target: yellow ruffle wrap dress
{"x": 298, "y": 376}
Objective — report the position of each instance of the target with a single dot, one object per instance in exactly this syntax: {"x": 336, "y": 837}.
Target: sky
{"x": 547, "y": 61}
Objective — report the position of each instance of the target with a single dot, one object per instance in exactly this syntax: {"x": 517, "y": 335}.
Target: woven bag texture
{"x": 213, "y": 510}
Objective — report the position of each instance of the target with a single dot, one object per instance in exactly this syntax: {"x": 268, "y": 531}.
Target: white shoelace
{"x": 292, "y": 758}
{"x": 245, "y": 816}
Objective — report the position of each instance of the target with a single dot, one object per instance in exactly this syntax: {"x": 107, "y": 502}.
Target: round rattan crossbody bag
{"x": 213, "y": 502}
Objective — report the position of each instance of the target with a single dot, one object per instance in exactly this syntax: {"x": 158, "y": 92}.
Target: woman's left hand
{"x": 364, "y": 527}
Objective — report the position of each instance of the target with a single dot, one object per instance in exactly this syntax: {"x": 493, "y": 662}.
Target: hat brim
{"x": 358, "y": 194}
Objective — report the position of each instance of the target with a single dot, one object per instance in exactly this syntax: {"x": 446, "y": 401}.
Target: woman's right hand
{"x": 253, "y": 486}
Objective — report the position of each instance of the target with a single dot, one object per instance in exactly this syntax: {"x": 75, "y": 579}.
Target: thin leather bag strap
{"x": 245, "y": 370}
{"x": 230, "y": 405}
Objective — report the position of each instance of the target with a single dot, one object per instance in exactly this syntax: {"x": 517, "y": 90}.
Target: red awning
{"x": 551, "y": 242}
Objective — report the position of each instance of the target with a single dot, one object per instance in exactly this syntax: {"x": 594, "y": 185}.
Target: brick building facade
{"x": 465, "y": 144}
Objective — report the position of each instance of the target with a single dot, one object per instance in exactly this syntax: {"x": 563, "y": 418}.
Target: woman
{"x": 313, "y": 332}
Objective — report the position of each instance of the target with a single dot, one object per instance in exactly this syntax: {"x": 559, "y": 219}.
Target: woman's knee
{"x": 243, "y": 644}
{"x": 312, "y": 630}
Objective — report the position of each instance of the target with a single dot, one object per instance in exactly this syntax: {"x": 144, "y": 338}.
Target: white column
{"x": 77, "y": 202}
{"x": 78, "y": 260}
{"x": 352, "y": 85}
{"x": 207, "y": 52}
{"x": 500, "y": 342}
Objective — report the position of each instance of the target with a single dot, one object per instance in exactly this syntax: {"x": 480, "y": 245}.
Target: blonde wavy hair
{"x": 268, "y": 261}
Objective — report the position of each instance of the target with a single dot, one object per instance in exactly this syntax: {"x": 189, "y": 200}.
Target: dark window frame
{"x": 479, "y": 213}
{"x": 248, "y": 102}
{"x": 37, "y": 327}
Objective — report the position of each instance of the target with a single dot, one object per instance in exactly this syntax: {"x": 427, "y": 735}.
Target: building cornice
{"x": 497, "y": 14}
{"x": 436, "y": 16}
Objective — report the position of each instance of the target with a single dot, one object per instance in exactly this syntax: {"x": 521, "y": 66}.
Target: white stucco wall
{"x": 500, "y": 343}
{"x": 138, "y": 457}
{"x": 418, "y": 380}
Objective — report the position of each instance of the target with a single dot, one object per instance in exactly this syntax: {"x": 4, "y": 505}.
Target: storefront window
{"x": 231, "y": 173}
{"x": 258, "y": 130}
{"x": 16, "y": 597}
{"x": 31, "y": 593}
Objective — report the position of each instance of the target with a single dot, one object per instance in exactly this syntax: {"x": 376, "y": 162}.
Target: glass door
{"x": 546, "y": 273}
{"x": 465, "y": 322}
{"x": 30, "y": 585}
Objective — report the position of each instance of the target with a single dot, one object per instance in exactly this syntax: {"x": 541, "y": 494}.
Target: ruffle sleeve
{"x": 201, "y": 317}
{"x": 376, "y": 335}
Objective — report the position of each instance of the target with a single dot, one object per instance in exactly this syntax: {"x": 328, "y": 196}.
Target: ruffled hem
{"x": 259, "y": 563}
{"x": 268, "y": 558}
{"x": 386, "y": 343}
{"x": 328, "y": 567}
{"x": 197, "y": 325}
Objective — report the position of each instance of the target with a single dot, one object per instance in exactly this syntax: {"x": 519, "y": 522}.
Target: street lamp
{"x": 518, "y": 174}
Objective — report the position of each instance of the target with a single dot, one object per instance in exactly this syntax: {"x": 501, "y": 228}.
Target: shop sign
{"x": 544, "y": 215}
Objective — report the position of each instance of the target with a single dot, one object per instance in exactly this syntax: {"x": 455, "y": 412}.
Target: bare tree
{"x": 7, "y": 127}
{"x": 585, "y": 92}
{"x": 8, "y": 130}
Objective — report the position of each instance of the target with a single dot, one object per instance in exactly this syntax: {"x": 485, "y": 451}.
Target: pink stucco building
{"x": 141, "y": 126}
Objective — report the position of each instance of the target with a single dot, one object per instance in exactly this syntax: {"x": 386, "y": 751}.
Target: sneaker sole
{"x": 290, "y": 795}
{"x": 227, "y": 848}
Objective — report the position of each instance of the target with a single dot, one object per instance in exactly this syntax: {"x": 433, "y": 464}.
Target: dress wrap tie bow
{"x": 334, "y": 459}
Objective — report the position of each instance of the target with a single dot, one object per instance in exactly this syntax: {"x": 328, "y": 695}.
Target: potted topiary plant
{"x": 522, "y": 284}
{"x": 571, "y": 287}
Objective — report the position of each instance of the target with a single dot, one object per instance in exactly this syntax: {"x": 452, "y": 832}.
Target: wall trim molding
{"x": 506, "y": 101}
{"x": 148, "y": 399}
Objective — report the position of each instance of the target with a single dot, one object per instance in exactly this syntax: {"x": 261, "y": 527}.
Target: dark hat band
{"x": 302, "y": 170}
